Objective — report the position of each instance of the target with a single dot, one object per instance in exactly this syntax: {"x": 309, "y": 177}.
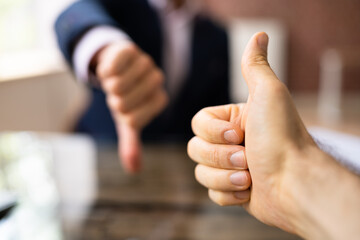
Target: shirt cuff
{"x": 89, "y": 44}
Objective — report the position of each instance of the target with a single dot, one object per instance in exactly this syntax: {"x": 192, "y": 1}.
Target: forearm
{"x": 344, "y": 148}
{"x": 326, "y": 197}
{"x": 76, "y": 20}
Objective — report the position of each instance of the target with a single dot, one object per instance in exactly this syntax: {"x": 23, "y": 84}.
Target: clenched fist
{"x": 133, "y": 85}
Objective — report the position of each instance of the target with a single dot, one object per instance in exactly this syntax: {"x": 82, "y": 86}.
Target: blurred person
{"x": 295, "y": 185}
{"x": 151, "y": 65}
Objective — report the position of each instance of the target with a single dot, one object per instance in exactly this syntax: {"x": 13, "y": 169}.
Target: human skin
{"x": 134, "y": 90}
{"x": 295, "y": 186}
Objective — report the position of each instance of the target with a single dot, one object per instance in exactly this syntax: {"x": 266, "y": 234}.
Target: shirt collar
{"x": 158, "y": 4}
{"x": 164, "y": 7}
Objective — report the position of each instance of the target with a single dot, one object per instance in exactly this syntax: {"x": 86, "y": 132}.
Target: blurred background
{"x": 314, "y": 49}
{"x": 37, "y": 91}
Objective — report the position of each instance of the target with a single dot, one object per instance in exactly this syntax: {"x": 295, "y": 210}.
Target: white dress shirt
{"x": 177, "y": 27}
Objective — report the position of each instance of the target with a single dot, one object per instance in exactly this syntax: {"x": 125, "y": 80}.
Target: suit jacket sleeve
{"x": 76, "y": 20}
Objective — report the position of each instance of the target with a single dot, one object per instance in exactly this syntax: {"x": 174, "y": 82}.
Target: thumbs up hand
{"x": 273, "y": 131}
{"x": 134, "y": 92}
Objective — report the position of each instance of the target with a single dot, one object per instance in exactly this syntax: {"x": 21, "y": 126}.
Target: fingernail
{"x": 263, "y": 41}
{"x": 231, "y": 137}
{"x": 242, "y": 195}
{"x": 239, "y": 178}
{"x": 238, "y": 160}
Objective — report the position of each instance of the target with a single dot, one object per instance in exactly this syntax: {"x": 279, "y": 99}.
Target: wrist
{"x": 303, "y": 167}
{"x": 319, "y": 191}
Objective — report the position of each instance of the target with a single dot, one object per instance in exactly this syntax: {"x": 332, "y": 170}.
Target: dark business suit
{"x": 207, "y": 83}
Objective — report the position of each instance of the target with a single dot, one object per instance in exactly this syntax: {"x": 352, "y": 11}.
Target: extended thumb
{"x": 254, "y": 64}
{"x": 130, "y": 148}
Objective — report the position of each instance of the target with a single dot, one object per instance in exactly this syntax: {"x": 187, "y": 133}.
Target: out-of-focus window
{"x": 27, "y": 43}
{"x": 17, "y": 25}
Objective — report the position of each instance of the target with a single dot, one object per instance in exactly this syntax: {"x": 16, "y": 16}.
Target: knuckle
{"x": 131, "y": 120}
{"x": 213, "y": 157}
{"x": 158, "y": 77}
{"x": 257, "y": 60}
{"x": 221, "y": 199}
{"x": 111, "y": 86}
{"x": 103, "y": 70}
{"x": 119, "y": 105}
{"x": 146, "y": 62}
{"x": 233, "y": 109}
{"x": 207, "y": 111}
{"x": 120, "y": 85}
{"x": 190, "y": 147}
{"x": 132, "y": 46}
{"x": 202, "y": 175}
{"x": 197, "y": 173}
{"x": 159, "y": 105}
{"x": 248, "y": 183}
{"x": 260, "y": 60}
{"x": 115, "y": 85}
{"x": 104, "y": 64}
{"x": 221, "y": 203}
{"x": 164, "y": 99}
{"x": 100, "y": 72}
{"x": 217, "y": 197}
{"x": 130, "y": 49}
{"x": 195, "y": 120}
{"x": 197, "y": 116}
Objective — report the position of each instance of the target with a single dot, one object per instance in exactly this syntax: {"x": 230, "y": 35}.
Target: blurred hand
{"x": 134, "y": 91}
{"x": 273, "y": 134}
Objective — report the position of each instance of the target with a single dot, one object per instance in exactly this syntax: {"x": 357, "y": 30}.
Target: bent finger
{"x": 115, "y": 59}
{"x": 146, "y": 112}
{"x": 221, "y": 179}
{"x": 229, "y": 198}
{"x": 221, "y": 124}
{"x": 145, "y": 88}
{"x": 217, "y": 155}
{"x": 139, "y": 68}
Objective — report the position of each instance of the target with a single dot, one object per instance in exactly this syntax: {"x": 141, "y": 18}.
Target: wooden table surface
{"x": 163, "y": 202}
{"x": 69, "y": 189}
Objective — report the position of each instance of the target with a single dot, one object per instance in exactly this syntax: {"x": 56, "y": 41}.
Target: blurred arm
{"x": 76, "y": 20}
{"x": 324, "y": 197}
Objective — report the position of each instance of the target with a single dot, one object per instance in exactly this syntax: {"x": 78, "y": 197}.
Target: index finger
{"x": 221, "y": 124}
